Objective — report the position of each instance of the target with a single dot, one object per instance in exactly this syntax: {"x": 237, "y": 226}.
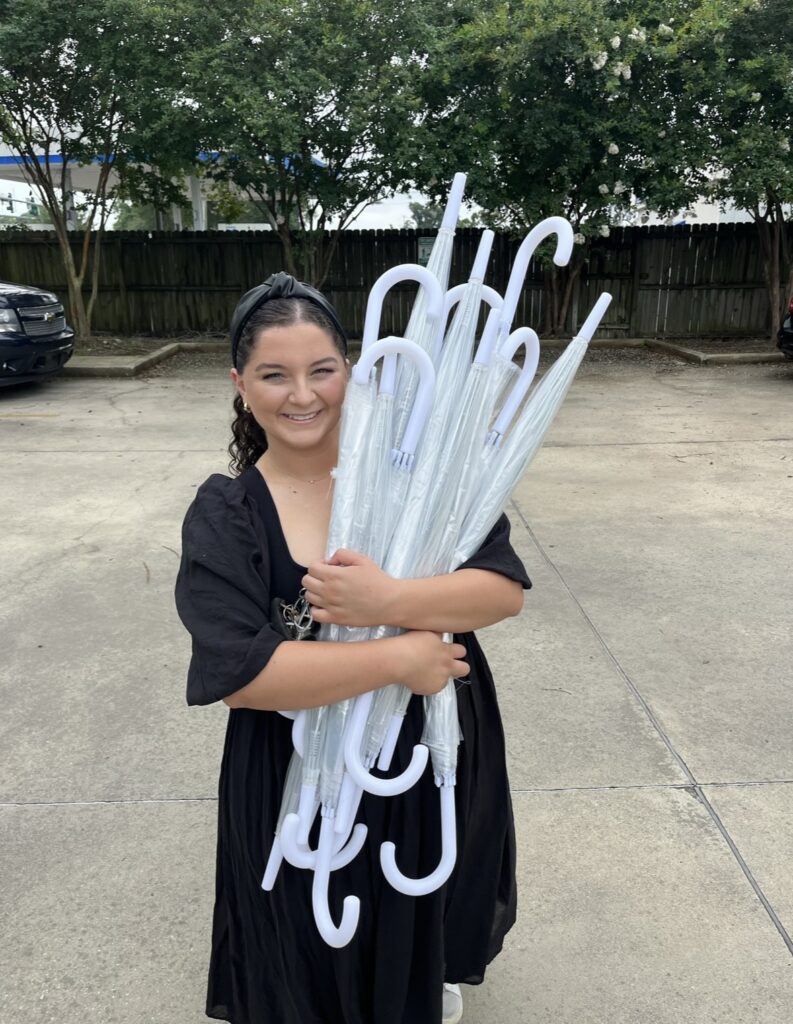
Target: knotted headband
{"x": 278, "y": 286}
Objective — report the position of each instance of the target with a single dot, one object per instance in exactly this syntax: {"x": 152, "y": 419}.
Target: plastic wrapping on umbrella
{"x": 442, "y": 733}
{"x": 505, "y": 465}
{"x": 439, "y": 265}
{"x": 333, "y": 750}
{"x": 455, "y": 365}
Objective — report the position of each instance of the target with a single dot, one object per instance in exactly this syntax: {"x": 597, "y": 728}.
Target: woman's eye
{"x": 325, "y": 369}
{"x": 272, "y": 376}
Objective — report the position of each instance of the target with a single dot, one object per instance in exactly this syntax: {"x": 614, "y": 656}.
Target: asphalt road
{"x": 646, "y": 695}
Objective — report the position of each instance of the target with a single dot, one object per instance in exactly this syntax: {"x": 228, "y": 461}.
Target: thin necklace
{"x": 300, "y": 480}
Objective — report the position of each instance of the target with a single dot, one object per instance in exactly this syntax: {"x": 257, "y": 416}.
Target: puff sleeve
{"x": 497, "y": 555}
{"x": 222, "y": 593}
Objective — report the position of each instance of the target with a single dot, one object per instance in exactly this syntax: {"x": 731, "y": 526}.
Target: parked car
{"x": 785, "y": 336}
{"x": 35, "y": 340}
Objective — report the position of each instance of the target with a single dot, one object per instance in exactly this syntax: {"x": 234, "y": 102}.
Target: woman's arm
{"x": 307, "y": 674}
{"x": 455, "y": 603}
{"x": 354, "y": 591}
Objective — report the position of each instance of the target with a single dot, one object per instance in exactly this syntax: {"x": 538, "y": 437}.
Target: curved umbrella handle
{"x": 422, "y": 403}
{"x": 334, "y": 936}
{"x": 523, "y": 336}
{"x": 384, "y": 283}
{"x": 454, "y": 295}
{"x": 303, "y": 856}
{"x": 433, "y": 881}
{"x": 564, "y": 248}
{"x": 352, "y": 757}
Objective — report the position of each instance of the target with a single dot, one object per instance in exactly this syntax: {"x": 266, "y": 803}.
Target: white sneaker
{"x": 452, "y": 1004}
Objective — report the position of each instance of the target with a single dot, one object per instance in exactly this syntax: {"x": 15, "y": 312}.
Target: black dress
{"x": 268, "y": 963}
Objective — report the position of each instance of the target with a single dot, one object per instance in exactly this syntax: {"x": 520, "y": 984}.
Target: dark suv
{"x": 35, "y": 340}
{"x": 785, "y": 336}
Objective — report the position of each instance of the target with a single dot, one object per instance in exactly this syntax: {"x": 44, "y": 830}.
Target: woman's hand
{"x": 430, "y": 662}
{"x": 350, "y": 589}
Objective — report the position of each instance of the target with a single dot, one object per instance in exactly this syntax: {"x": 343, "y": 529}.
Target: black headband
{"x": 278, "y": 286}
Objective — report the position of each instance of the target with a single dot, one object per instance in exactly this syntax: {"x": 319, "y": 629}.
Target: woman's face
{"x": 294, "y": 383}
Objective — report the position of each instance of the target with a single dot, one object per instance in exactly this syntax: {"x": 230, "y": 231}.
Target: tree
{"x": 555, "y": 107}
{"x": 747, "y": 110}
{"x": 311, "y": 110}
{"x": 96, "y": 83}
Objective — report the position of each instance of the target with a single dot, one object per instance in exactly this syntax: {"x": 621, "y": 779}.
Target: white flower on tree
{"x": 578, "y": 238}
{"x": 755, "y": 97}
{"x": 613, "y": 148}
{"x": 599, "y": 62}
{"x": 619, "y": 188}
{"x": 603, "y": 190}
{"x": 665, "y": 31}
{"x": 605, "y": 230}
{"x": 616, "y": 42}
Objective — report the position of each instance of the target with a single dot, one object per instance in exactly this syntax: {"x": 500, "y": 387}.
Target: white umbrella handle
{"x": 334, "y": 936}
{"x": 523, "y": 336}
{"x": 564, "y": 248}
{"x": 454, "y": 295}
{"x": 303, "y": 856}
{"x": 352, "y": 756}
{"x": 422, "y": 403}
{"x": 384, "y": 283}
{"x": 433, "y": 881}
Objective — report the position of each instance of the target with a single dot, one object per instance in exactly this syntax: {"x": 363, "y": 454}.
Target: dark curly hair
{"x": 249, "y": 441}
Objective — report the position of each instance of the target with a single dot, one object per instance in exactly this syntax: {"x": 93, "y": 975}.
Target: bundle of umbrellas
{"x": 430, "y": 451}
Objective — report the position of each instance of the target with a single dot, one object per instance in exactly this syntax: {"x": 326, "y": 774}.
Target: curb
{"x": 131, "y": 366}
{"x": 713, "y": 358}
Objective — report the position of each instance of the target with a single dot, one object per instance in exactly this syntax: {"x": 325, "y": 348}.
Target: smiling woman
{"x": 255, "y": 540}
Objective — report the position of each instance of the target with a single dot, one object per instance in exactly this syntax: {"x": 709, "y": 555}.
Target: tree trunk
{"x": 771, "y": 227}
{"x": 573, "y": 273}
{"x": 80, "y": 317}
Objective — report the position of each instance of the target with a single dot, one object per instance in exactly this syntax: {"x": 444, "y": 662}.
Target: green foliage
{"x": 311, "y": 109}
{"x": 96, "y": 82}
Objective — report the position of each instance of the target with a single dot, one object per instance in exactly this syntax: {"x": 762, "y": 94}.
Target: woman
{"x": 260, "y": 536}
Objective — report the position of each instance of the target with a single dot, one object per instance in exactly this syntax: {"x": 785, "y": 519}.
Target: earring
{"x": 245, "y": 406}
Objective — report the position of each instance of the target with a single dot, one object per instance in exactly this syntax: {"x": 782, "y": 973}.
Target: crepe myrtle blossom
{"x": 616, "y": 42}
{"x": 619, "y": 188}
{"x": 784, "y": 145}
{"x": 662, "y": 133}
{"x": 755, "y": 97}
{"x": 578, "y": 238}
{"x": 599, "y": 62}
{"x": 605, "y": 230}
{"x": 665, "y": 31}
{"x": 603, "y": 190}
{"x": 638, "y": 35}
{"x": 624, "y": 70}
{"x": 613, "y": 148}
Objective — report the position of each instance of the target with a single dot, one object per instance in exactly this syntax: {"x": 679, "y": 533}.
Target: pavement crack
{"x": 693, "y": 786}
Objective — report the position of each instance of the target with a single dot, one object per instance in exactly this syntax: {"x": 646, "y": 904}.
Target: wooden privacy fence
{"x": 666, "y": 281}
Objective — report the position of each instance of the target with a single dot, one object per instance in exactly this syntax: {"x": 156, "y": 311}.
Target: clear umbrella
{"x": 504, "y": 468}
{"x": 365, "y": 741}
{"x": 293, "y": 832}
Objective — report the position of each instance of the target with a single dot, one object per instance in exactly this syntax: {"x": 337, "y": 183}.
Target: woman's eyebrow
{"x": 280, "y": 366}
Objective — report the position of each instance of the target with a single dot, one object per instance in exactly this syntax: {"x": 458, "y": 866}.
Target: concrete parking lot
{"x": 646, "y": 694}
